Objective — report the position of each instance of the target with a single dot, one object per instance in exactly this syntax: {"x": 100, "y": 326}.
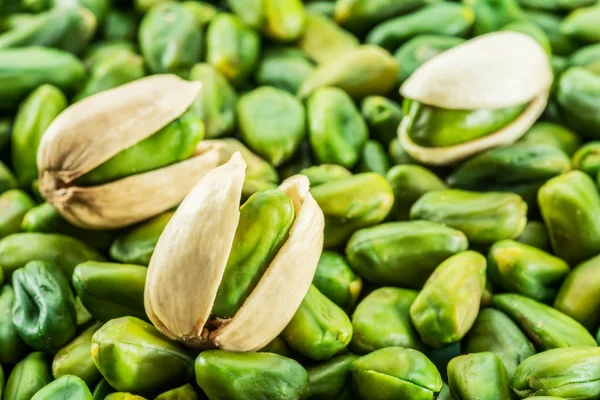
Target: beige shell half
{"x": 97, "y": 128}
{"x": 496, "y": 70}
{"x": 188, "y": 263}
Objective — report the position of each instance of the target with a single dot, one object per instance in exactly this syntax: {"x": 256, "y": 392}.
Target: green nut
{"x": 409, "y": 183}
{"x": 134, "y": 357}
{"x": 395, "y": 373}
{"x": 556, "y": 5}
{"x": 216, "y": 102}
{"x": 535, "y": 234}
{"x": 276, "y": 346}
{"x": 330, "y": 379}
{"x": 335, "y": 279}
{"x": 110, "y": 290}
{"x": 75, "y": 358}
{"x": 44, "y": 218}
{"x": 280, "y": 20}
{"x": 66, "y": 28}
{"x": 578, "y": 95}
{"x": 173, "y": 143}
{"x": 582, "y": 24}
{"x": 520, "y": 268}
{"x": 336, "y": 130}
{"x": 136, "y": 245}
{"x": 272, "y": 123}
{"x": 99, "y": 8}
{"x": 579, "y": 297}
{"x": 363, "y": 71}
{"x": 7, "y": 180}
{"x": 483, "y": 217}
{"x": 65, "y": 387}
{"x": 495, "y": 332}
{"x": 203, "y": 12}
{"x": 550, "y": 23}
{"x": 259, "y": 376}
{"x": 232, "y": 47}
{"x": 319, "y": 329}
{"x": 359, "y": 15}
{"x": 491, "y": 15}
{"x": 102, "y": 50}
{"x": 569, "y": 373}
{"x": 102, "y": 390}
{"x": 443, "y": 18}
{"x": 120, "y": 25}
{"x": 185, "y": 392}
{"x": 478, "y": 376}
{"x": 386, "y": 254}
{"x": 320, "y": 174}
{"x": 382, "y": 319}
{"x": 5, "y": 132}
{"x": 284, "y": 68}
{"x": 82, "y": 314}
{"x": 323, "y": 7}
{"x": 114, "y": 71}
{"x": 323, "y": 40}
{"x": 350, "y": 204}
{"x": 553, "y": 135}
{"x": 14, "y": 204}
{"x": 12, "y": 347}
{"x": 532, "y": 30}
{"x": 43, "y": 311}
{"x": 570, "y": 206}
{"x": 27, "y": 377}
{"x": 35, "y": 114}
{"x": 446, "y": 307}
{"x": 587, "y": 57}
{"x": 374, "y": 159}
{"x": 18, "y": 249}
{"x": 445, "y": 393}
{"x": 382, "y": 116}
{"x": 123, "y": 396}
{"x": 170, "y": 39}
{"x": 545, "y": 326}
{"x": 421, "y": 49}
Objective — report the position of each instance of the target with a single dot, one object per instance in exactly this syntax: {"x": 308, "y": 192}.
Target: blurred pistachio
{"x": 280, "y": 20}
{"x": 99, "y": 8}
{"x": 579, "y": 297}
{"x": 335, "y": 279}
{"x": 319, "y": 329}
{"x": 5, "y": 132}
{"x": 545, "y": 326}
{"x": 409, "y": 183}
{"x": 398, "y": 154}
{"x": 216, "y": 102}
{"x": 383, "y": 117}
{"x": 133, "y": 356}
{"x": 492, "y": 15}
{"x": 284, "y": 68}
{"x": 120, "y": 25}
{"x": 386, "y": 254}
{"x": 232, "y": 47}
{"x": 330, "y": 379}
{"x": 323, "y": 40}
{"x": 554, "y": 135}
{"x": 382, "y": 319}
{"x": 588, "y": 57}
{"x": 34, "y": 116}
{"x": 203, "y": 12}
{"x": 495, "y": 332}
{"x": 577, "y": 96}
{"x": 352, "y": 203}
{"x": 111, "y": 290}
{"x": 360, "y": 15}
{"x": 365, "y": 70}
{"x": 14, "y": 204}
{"x": 324, "y": 173}
{"x": 102, "y": 390}
{"x": 532, "y": 30}
{"x": 395, "y": 372}
{"x": 556, "y": 5}
{"x": 82, "y": 315}
{"x": 446, "y": 307}
{"x": 170, "y": 39}
{"x": 272, "y": 122}
{"x": 535, "y": 234}
{"x": 443, "y": 18}
{"x": 12, "y": 347}
{"x": 374, "y": 159}
{"x": 99, "y": 51}
{"x": 259, "y": 375}
{"x": 550, "y": 23}
{"x": 582, "y": 24}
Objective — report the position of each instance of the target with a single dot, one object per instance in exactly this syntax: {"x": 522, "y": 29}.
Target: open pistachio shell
{"x": 99, "y": 127}
{"x": 188, "y": 263}
{"x": 493, "y": 71}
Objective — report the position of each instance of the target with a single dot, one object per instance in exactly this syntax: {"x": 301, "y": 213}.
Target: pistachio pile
{"x": 299, "y": 200}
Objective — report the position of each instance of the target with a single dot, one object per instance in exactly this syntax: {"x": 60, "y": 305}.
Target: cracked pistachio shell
{"x": 570, "y": 373}
{"x": 395, "y": 373}
{"x": 515, "y": 70}
{"x": 90, "y": 132}
{"x": 187, "y": 266}
{"x": 478, "y": 376}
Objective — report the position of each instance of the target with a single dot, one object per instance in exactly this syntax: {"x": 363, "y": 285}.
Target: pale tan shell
{"x": 95, "y": 129}
{"x": 496, "y": 70}
{"x": 452, "y": 154}
{"x": 190, "y": 257}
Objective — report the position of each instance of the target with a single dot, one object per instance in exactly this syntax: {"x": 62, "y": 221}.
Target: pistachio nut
{"x": 382, "y": 116}
{"x": 27, "y": 377}
{"x": 12, "y": 347}
{"x": 478, "y": 376}
{"x": 277, "y": 346}
{"x": 14, "y": 204}
{"x": 324, "y": 173}
{"x": 65, "y": 387}
{"x": 359, "y": 15}
{"x": 336, "y": 280}
{"x": 330, "y": 379}
{"x": 7, "y": 178}
{"x": 212, "y": 253}
{"x": 550, "y": 23}
{"x": 323, "y": 40}
{"x": 461, "y": 103}
{"x": 374, "y": 158}
{"x": 185, "y": 392}
{"x": 582, "y": 24}
{"x": 75, "y": 359}
{"x": 98, "y": 122}
{"x": 554, "y": 135}
{"x": 535, "y": 234}
{"x": 284, "y": 68}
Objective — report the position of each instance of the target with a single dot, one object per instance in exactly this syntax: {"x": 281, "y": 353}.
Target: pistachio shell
{"x": 188, "y": 263}
{"x": 92, "y": 131}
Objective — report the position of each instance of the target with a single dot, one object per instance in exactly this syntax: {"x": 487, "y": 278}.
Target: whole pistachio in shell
{"x": 481, "y": 94}
{"x": 231, "y": 277}
{"x": 124, "y": 155}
